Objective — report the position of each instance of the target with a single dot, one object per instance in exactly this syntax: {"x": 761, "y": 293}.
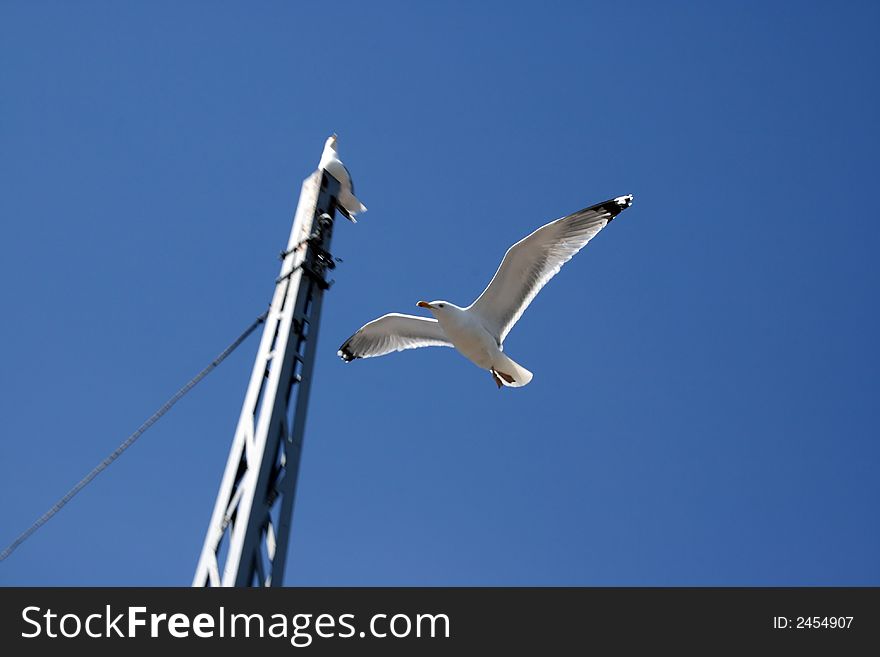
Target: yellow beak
{"x": 424, "y": 304}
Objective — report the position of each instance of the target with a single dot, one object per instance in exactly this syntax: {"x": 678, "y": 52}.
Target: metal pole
{"x": 247, "y": 538}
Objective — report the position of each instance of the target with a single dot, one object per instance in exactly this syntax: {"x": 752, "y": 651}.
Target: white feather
{"x": 393, "y": 332}
{"x": 534, "y": 260}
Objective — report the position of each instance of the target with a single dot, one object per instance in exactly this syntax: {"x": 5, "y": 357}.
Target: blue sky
{"x": 704, "y": 408}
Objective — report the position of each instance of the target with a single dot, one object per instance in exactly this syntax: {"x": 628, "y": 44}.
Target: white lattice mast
{"x": 246, "y": 542}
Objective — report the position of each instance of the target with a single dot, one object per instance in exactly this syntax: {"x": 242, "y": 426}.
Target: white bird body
{"x": 478, "y": 331}
{"x": 331, "y": 163}
{"x": 467, "y": 334}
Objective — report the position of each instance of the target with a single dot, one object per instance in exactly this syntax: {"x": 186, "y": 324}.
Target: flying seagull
{"x": 347, "y": 202}
{"x": 478, "y": 331}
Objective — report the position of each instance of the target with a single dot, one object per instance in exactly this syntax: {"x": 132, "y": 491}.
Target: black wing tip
{"x": 346, "y": 354}
{"x": 616, "y": 205}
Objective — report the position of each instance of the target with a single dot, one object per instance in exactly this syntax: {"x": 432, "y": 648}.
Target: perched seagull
{"x": 478, "y": 331}
{"x": 348, "y": 203}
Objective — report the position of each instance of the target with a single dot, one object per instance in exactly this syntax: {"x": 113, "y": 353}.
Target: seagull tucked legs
{"x": 497, "y": 380}
{"x": 509, "y": 379}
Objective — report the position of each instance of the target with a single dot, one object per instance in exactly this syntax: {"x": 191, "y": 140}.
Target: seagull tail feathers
{"x": 351, "y": 203}
{"x": 511, "y": 373}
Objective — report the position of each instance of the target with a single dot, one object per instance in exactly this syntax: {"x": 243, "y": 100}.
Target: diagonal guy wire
{"x": 128, "y": 442}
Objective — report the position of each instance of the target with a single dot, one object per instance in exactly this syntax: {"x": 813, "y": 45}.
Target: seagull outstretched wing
{"x": 393, "y": 332}
{"x": 534, "y": 260}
